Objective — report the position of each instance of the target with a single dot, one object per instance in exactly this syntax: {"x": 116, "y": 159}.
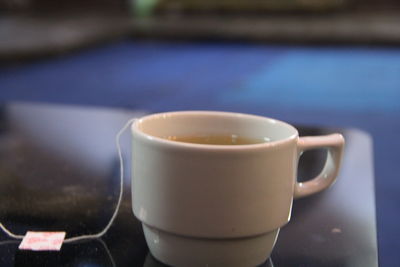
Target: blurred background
{"x": 313, "y": 62}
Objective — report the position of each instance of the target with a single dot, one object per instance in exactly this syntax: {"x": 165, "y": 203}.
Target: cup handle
{"x": 334, "y": 143}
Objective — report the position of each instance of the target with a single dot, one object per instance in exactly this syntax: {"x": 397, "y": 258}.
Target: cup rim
{"x": 135, "y": 130}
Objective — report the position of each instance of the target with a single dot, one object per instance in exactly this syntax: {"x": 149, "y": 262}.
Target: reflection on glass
{"x": 152, "y": 262}
{"x": 267, "y": 263}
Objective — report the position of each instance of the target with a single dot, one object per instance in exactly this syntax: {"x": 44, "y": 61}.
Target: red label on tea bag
{"x": 39, "y": 241}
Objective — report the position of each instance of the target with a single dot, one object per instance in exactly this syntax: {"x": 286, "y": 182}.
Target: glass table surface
{"x": 59, "y": 170}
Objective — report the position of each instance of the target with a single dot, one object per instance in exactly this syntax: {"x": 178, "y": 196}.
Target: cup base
{"x": 177, "y": 250}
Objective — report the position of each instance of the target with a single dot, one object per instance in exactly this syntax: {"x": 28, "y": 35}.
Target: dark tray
{"x": 59, "y": 171}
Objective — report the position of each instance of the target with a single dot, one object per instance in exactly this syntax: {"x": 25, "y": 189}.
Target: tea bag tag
{"x": 42, "y": 241}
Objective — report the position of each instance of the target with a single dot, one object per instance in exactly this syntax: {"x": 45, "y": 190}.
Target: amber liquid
{"x": 228, "y": 140}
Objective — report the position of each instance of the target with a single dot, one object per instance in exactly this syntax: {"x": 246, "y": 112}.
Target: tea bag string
{"x": 121, "y": 191}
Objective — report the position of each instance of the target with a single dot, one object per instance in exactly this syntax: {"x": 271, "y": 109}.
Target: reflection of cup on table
{"x": 218, "y": 203}
{"x": 150, "y": 261}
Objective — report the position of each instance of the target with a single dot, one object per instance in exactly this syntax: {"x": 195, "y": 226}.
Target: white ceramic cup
{"x": 220, "y": 205}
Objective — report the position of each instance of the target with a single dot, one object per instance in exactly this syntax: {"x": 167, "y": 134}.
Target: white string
{"x": 121, "y": 190}
{"x": 9, "y": 233}
{"x": 6, "y": 242}
{"x": 108, "y": 251}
